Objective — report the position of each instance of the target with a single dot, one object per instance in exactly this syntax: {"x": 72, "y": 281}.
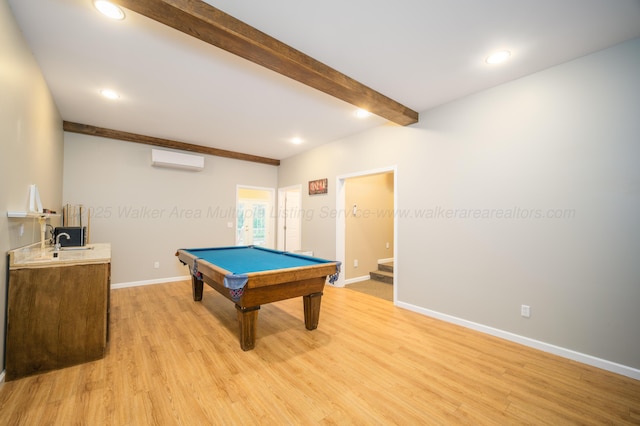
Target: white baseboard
{"x": 362, "y": 278}
{"x": 613, "y": 367}
{"x": 187, "y": 277}
{"x": 356, "y": 279}
{"x": 2, "y": 377}
{"x": 149, "y": 282}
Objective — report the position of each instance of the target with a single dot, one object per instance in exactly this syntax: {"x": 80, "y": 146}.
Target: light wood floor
{"x": 172, "y": 361}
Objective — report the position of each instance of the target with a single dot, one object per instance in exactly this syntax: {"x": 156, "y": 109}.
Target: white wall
{"x": 146, "y": 212}
{"x": 564, "y": 141}
{"x": 30, "y": 145}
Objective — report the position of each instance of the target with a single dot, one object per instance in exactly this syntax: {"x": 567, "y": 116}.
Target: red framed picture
{"x": 318, "y": 186}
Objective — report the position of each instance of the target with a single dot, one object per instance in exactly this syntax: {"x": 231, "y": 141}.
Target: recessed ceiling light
{"x": 110, "y": 94}
{"x": 361, "y": 113}
{"x": 296, "y": 141}
{"x": 498, "y": 57}
{"x": 109, "y": 9}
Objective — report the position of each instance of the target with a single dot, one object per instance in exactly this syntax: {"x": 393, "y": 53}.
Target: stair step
{"x": 382, "y": 276}
{"x": 387, "y": 267}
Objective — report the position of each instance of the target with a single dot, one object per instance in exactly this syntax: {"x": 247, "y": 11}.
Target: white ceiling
{"x": 421, "y": 53}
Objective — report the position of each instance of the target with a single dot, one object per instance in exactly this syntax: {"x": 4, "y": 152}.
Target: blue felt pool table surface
{"x": 248, "y": 259}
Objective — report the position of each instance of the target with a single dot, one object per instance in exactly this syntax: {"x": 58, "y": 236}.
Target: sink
{"x": 70, "y": 248}
{"x": 65, "y": 253}
{"x": 41, "y": 259}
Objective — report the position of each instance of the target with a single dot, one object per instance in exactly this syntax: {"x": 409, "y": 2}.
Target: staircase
{"x": 383, "y": 274}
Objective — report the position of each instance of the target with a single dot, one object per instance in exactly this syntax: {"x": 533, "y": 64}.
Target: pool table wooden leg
{"x": 312, "y": 310}
{"x": 196, "y": 286}
{"x": 248, "y": 320}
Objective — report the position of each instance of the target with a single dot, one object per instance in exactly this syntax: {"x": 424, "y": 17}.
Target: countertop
{"x": 35, "y": 257}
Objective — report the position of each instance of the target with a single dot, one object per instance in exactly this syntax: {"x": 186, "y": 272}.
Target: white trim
{"x": 2, "y": 376}
{"x": 611, "y": 366}
{"x": 149, "y": 282}
{"x": 340, "y": 227}
{"x": 355, "y": 280}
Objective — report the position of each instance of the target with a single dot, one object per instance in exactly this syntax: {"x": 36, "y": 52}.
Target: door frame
{"x": 341, "y": 217}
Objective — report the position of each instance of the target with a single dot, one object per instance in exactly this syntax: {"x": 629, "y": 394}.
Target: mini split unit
{"x": 176, "y": 160}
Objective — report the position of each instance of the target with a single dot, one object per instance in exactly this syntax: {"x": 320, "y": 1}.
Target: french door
{"x": 252, "y": 223}
{"x": 254, "y": 220}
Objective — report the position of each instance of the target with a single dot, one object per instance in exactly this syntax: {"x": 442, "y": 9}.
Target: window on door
{"x": 254, "y": 223}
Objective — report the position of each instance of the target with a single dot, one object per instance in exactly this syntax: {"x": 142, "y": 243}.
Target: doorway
{"x": 254, "y": 224}
{"x": 362, "y": 255}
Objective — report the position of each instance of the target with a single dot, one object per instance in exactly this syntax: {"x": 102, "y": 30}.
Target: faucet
{"x": 57, "y": 246}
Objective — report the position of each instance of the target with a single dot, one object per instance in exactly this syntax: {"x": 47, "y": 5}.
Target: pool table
{"x": 251, "y": 276}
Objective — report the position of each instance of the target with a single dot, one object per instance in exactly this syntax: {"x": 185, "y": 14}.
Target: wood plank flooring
{"x": 172, "y": 361}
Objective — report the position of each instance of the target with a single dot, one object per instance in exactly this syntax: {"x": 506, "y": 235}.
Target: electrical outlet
{"x": 156, "y": 264}
{"x": 355, "y": 263}
{"x": 387, "y": 245}
{"x": 525, "y": 311}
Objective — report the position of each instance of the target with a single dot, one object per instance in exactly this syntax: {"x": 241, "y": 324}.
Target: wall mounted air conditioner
{"x": 176, "y": 160}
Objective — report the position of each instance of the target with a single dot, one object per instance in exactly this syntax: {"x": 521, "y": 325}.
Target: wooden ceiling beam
{"x": 86, "y": 129}
{"x": 204, "y": 22}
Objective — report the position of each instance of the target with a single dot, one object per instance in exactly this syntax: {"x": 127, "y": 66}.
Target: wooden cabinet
{"x": 56, "y": 317}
